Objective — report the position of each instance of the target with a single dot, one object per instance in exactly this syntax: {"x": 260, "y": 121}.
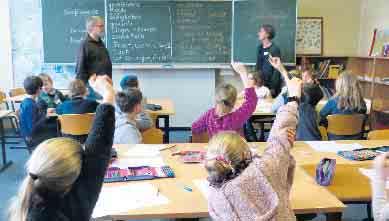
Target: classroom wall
{"x": 341, "y": 23}
{"x": 5, "y": 48}
{"x": 374, "y": 14}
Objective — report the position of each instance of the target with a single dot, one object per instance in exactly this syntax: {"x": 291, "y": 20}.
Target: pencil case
{"x": 115, "y": 174}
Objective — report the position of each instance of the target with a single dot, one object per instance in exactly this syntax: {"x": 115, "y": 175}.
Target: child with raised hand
{"x": 64, "y": 179}
{"x": 380, "y": 198}
{"x": 246, "y": 187}
{"x": 223, "y": 117}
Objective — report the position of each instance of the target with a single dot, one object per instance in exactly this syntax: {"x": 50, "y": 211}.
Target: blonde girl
{"x": 223, "y": 116}
{"x": 64, "y": 179}
{"x": 246, "y": 187}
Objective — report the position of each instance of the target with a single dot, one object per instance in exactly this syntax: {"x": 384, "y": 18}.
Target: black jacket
{"x": 79, "y": 202}
{"x": 271, "y": 76}
{"x": 93, "y": 57}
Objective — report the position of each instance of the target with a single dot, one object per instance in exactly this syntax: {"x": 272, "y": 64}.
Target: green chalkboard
{"x": 64, "y": 27}
{"x": 250, "y": 14}
{"x": 165, "y": 31}
{"x": 169, "y": 32}
{"x": 141, "y": 32}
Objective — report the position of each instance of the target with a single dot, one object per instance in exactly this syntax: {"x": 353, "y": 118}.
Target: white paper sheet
{"x": 114, "y": 200}
{"x": 144, "y": 150}
{"x": 203, "y": 186}
{"x": 332, "y": 146}
{"x": 138, "y": 162}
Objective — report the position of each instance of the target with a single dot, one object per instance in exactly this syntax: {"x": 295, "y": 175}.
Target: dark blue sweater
{"x": 32, "y": 117}
{"x": 77, "y": 105}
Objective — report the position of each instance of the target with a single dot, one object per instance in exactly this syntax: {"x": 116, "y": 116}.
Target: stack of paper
{"x": 114, "y": 200}
{"x": 332, "y": 146}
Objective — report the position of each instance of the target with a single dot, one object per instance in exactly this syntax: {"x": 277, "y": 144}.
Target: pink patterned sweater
{"x": 261, "y": 192}
{"x": 210, "y": 122}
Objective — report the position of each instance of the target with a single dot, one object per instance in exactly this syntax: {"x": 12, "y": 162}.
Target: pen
{"x": 187, "y": 188}
{"x": 168, "y": 147}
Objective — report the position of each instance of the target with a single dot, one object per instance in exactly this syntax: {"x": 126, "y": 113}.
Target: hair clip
{"x": 222, "y": 159}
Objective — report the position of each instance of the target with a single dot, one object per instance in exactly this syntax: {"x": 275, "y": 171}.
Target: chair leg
{"x": 368, "y": 208}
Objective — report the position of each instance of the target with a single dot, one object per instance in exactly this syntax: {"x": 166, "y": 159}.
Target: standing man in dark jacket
{"x": 271, "y": 76}
{"x": 93, "y": 56}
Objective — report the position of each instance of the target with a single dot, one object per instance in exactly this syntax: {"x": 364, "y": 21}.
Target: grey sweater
{"x": 126, "y": 130}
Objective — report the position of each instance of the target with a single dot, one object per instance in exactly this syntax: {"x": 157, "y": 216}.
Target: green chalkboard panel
{"x": 169, "y": 32}
{"x": 64, "y": 27}
{"x": 250, "y": 14}
{"x": 139, "y": 32}
{"x": 202, "y": 32}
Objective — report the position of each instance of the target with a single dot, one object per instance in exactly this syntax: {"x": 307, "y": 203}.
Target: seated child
{"x": 247, "y": 187}
{"x": 129, "y": 105}
{"x": 256, "y": 81}
{"x": 50, "y": 95}
{"x": 307, "y": 127}
{"x": 223, "y": 116}
{"x": 63, "y": 178}
{"x": 35, "y": 126}
{"x": 348, "y": 99}
{"x": 77, "y": 104}
{"x": 143, "y": 120}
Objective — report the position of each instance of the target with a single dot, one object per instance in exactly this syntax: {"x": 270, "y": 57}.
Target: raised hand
{"x": 242, "y": 71}
{"x": 382, "y": 170}
{"x": 103, "y": 85}
{"x": 294, "y": 87}
{"x": 277, "y": 64}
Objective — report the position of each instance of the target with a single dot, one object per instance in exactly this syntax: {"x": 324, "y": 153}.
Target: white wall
{"x": 6, "y": 80}
{"x": 192, "y": 91}
{"x": 375, "y": 14}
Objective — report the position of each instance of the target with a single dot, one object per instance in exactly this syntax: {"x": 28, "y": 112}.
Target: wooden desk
{"x": 6, "y": 164}
{"x": 183, "y": 204}
{"x": 349, "y": 185}
{"x": 167, "y": 111}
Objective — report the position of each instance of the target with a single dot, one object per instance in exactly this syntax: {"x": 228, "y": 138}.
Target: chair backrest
{"x": 152, "y": 136}
{"x": 76, "y": 124}
{"x": 378, "y": 135}
{"x": 200, "y": 138}
{"x": 16, "y": 92}
{"x": 3, "y": 97}
{"x": 345, "y": 124}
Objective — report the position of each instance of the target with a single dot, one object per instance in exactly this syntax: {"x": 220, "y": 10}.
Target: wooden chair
{"x": 12, "y": 117}
{"x": 345, "y": 124}
{"x": 323, "y": 133}
{"x": 378, "y": 135}
{"x": 76, "y": 124}
{"x": 200, "y": 138}
{"x": 16, "y": 92}
{"x": 152, "y": 136}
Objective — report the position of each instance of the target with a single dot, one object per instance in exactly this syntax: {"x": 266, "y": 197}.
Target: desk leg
{"x": 4, "y": 154}
{"x": 166, "y": 130}
{"x": 334, "y": 216}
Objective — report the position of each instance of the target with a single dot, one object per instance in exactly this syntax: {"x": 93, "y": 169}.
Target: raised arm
{"x": 277, "y": 153}
{"x": 379, "y": 200}
{"x": 100, "y": 138}
{"x": 244, "y": 112}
